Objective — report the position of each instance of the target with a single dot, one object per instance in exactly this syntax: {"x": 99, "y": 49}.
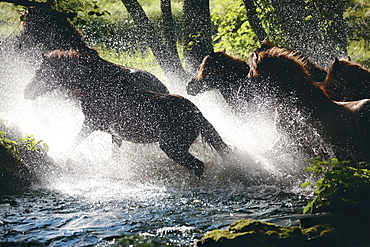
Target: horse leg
{"x": 179, "y": 152}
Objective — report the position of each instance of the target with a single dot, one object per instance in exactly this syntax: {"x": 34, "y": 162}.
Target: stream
{"x": 92, "y": 198}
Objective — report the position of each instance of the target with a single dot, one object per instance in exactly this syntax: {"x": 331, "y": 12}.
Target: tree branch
{"x": 254, "y": 21}
{"x": 169, "y": 63}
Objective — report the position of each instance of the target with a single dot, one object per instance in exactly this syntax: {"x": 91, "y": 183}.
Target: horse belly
{"x": 135, "y": 131}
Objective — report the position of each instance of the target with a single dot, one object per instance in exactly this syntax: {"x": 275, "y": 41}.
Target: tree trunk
{"x": 170, "y": 63}
{"x": 197, "y": 32}
{"x": 169, "y": 33}
{"x": 254, "y": 21}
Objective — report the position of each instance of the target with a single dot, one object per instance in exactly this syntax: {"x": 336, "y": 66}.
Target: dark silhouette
{"x": 111, "y": 103}
{"x": 347, "y": 81}
{"x": 223, "y": 72}
{"x": 283, "y": 76}
{"x": 317, "y": 73}
{"x": 50, "y": 30}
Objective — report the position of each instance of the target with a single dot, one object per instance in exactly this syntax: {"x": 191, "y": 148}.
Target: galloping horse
{"x": 229, "y": 75}
{"x": 111, "y": 103}
{"x": 347, "y": 81}
{"x": 50, "y": 30}
{"x": 223, "y": 72}
{"x": 283, "y": 74}
{"x": 317, "y": 73}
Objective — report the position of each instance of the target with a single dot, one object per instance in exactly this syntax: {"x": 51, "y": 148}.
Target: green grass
{"x": 9, "y": 20}
{"x": 359, "y": 52}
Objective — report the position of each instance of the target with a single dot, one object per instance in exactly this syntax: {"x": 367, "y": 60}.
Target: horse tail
{"x": 210, "y": 136}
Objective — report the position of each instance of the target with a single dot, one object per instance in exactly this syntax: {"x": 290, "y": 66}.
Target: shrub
{"x": 342, "y": 186}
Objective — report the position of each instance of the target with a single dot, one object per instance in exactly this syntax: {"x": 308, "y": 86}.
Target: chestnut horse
{"x": 229, "y": 75}
{"x": 222, "y": 72}
{"x": 283, "y": 75}
{"x": 50, "y": 30}
{"x": 111, "y": 103}
{"x": 317, "y": 73}
{"x": 347, "y": 81}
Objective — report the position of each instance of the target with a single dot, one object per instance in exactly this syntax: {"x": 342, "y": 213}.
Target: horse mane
{"x": 225, "y": 62}
{"x": 288, "y": 71}
{"x": 317, "y": 73}
{"x": 351, "y": 68}
{"x": 346, "y": 80}
{"x": 235, "y": 59}
{"x": 60, "y": 53}
{"x": 293, "y": 61}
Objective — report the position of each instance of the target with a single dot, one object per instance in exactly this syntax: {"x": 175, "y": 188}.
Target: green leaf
{"x": 305, "y": 184}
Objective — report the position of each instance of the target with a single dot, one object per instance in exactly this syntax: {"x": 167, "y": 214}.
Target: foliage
{"x": 233, "y": 30}
{"x": 358, "y": 17}
{"x": 10, "y": 145}
{"x": 28, "y": 143}
{"x": 342, "y": 185}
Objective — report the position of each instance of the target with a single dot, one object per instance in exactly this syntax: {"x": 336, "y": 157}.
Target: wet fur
{"x": 285, "y": 73}
{"x": 111, "y": 103}
{"x": 347, "y": 81}
{"x": 220, "y": 71}
{"x": 50, "y": 31}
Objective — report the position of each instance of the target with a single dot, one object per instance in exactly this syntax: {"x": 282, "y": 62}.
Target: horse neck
{"x": 230, "y": 85}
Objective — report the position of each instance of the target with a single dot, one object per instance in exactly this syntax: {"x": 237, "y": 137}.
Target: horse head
{"x": 217, "y": 71}
{"x": 347, "y": 80}
{"x": 57, "y": 70}
{"x": 280, "y": 72}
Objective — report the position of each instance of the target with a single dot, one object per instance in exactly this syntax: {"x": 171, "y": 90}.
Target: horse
{"x": 223, "y": 72}
{"x": 111, "y": 103}
{"x": 229, "y": 74}
{"x": 282, "y": 74}
{"x": 50, "y": 30}
{"x": 317, "y": 73}
{"x": 347, "y": 81}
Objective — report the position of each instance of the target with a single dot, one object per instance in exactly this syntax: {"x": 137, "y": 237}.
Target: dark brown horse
{"x": 111, "y": 103}
{"x": 282, "y": 75}
{"x": 50, "y": 30}
{"x": 347, "y": 81}
{"x": 317, "y": 73}
{"x": 222, "y": 72}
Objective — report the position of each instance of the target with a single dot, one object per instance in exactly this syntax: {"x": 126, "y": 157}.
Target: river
{"x": 92, "y": 198}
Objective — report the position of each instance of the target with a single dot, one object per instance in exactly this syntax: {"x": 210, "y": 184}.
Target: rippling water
{"x": 89, "y": 198}
{"x": 112, "y": 208}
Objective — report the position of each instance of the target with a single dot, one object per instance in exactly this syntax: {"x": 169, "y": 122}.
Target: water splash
{"x": 92, "y": 195}
{"x": 56, "y": 119}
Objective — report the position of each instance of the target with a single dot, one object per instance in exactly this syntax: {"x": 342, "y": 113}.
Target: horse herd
{"x": 134, "y": 105}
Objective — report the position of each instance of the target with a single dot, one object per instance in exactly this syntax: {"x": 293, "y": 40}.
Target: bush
{"x": 342, "y": 188}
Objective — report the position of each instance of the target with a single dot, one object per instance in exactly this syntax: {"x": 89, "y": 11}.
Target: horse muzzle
{"x": 193, "y": 88}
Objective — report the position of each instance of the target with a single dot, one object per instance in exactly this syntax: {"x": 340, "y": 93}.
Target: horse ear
{"x": 266, "y": 40}
{"x": 224, "y": 50}
{"x": 349, "y": 58}
{"x": 266, "y": 44}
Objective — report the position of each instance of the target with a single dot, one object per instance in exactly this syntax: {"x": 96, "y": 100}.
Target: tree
{"x": 162, "y": 48}
{"x": 254, "y": 20}
{"x": 163, "y": 42}
{"x": 303, "y": 30}
{"x": 197, "y": 32}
